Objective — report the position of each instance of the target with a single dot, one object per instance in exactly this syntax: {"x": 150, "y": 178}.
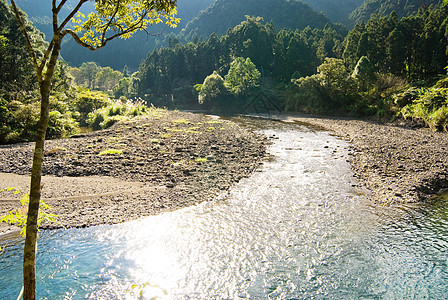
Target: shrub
{"x": 116, "y": 111}
{"x": 87, "y": 101}
{"x": 430, "y": 106}
{"x": 61, "y": 125}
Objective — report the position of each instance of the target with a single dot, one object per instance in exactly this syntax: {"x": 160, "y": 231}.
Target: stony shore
{"x": 164, "y": 162}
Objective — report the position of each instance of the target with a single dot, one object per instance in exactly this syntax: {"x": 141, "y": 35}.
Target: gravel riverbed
{"x": 164, "y": 162}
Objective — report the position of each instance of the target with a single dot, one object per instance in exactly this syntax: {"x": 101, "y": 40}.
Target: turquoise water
{"x": 299, "y": 228}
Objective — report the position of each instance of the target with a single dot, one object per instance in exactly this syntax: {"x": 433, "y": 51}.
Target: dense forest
{"x": 388, "y": 67}
{"x": 385, "y": 7}
{"x": 396, "y": 54}
{"x": 199, "y": 19}
{"x": 285, "y": 14}
{"x": 278, "y": 55}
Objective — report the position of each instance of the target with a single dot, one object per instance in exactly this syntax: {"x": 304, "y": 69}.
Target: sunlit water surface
{"x": 296, "y": 229}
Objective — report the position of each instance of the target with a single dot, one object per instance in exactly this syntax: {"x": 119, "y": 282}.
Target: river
{"x": 298, "y": 228}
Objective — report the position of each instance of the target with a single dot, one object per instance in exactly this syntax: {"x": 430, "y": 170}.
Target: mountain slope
{"x": 402, "y": 8}
{"x": 118, "y": 53}
{"x": 336, "y": 11}
{"x": 224, "y": 14}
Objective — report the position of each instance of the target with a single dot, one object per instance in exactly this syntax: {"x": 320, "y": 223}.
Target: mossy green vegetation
{"x": 110, "y": 152}
{"x": 200, "y": 160}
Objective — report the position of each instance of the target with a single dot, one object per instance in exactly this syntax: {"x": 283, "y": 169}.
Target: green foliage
{"x": 18, "y": 217}
{"x": 336, "y": 90}
{"x": 107, "y": 78}
{"x": 403, "y": 8}
{"x": 127, "y": 87}
{"x": 86, "y": 75}
{"x": 329, "y": 91}
{"x": 122, "y": 19}
{"x": 413, "y": 47}
{"x": 61, "y": 125}
{"x": 16, "y": 69}
{"x": 427, "y": 105}
{"x": 168, "y": 75}
{"x": 87, "y": 101}
{"x": 213, "y": 91}
{"x": 92, "y": 76}
{"x": 114, "y": 112}
{"x": 110, "y": 152}
{"x": 336, "y": 11}
{"x": 201, "y": 160}
{"x": 364, "y": 73}
{"x": 286, "y": 14}
{"x": 243, "y": 76}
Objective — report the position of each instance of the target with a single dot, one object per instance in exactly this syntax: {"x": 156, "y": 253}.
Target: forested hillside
{"x": 225, "y": 14}
{"x": 277, "y": 54}
{"x": 336, "y": 11}
{"x": 72, "y": 103}
{"x": 119, "y": 52}
{"x": 402, "y": 8}
{"x": 377, "y": 70}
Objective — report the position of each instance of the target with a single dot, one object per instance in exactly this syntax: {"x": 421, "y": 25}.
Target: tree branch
{"x": 28, "y": 41}
{"x": 58, "y": 8}
{"x": 78, "y": 39}
{"x": 103, "y": 35}
{"x": 72, "y": 13}
{"x": 137, "y": 25}
{"x": 55, "y": 16}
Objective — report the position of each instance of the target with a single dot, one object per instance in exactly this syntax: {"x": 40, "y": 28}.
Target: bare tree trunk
{"x": 30, "y": 249}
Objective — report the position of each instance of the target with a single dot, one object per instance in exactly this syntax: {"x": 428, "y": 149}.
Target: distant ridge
{"x": 225, "y": 14}
{"x": 402, "y": 8}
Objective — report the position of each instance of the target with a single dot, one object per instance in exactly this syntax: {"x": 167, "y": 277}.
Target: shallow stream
{"x": 299, "y": 228}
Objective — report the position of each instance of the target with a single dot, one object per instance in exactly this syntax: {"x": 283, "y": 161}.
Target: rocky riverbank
{"x": 143, "y": 167}
{"x": 172, "y": 160}
{"x": 396, "y": 162}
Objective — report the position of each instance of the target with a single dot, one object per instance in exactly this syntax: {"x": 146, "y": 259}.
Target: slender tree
{"x": 111, "y": 19}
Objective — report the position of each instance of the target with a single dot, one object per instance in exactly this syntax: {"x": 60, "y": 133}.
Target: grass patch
{"x": 213, "y": 122}
{"x": 193, "y": 132}
{"x": 156, "y": 112}
{"x": 110, "y": 152}
{"x": 181, "y": 121}
{"x": 154, "y": 141}
{"x": 201, "y": 160}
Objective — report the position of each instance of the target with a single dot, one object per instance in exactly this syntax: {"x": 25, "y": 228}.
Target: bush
{"x": 428, "y": 105}
{"x": 87, "y": 101}
{"x": 330, "y": 91}
{"x": 61, "y": 125}
{"x": 116, "y": 111}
